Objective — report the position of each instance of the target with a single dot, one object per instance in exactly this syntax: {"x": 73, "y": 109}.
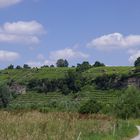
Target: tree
{"x": 137, "y": 65}
{"x": 137, "y": 62}
{"x": 62, "y": 63}
{"x": 66, "y": 64}
{"x": 74, "y": 80}
{"x": 82, "y": 67}
{"x": 11, "y": 66}
{"x": 51, "y": 66}
{"x": 65, "y": 90}
{"x": 26, "y": 66}
{"x": 98, "y": 64}
{"x": 18, "y": 67}
{"x": 4, "y": 96}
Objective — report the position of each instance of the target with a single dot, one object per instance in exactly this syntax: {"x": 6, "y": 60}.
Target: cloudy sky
{"x": 38, "y": 32}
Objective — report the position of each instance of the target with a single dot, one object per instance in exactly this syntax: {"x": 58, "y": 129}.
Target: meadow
{"x": 34, "y": 125}
{"x": 50, "y": 114}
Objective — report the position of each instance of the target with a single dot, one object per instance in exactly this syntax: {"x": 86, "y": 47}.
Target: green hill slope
{"x": 71, "y": 101}
{"x": 24, "y": 75}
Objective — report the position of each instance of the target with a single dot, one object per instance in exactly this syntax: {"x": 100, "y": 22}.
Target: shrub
{"x": 107, "y": 109}
{"x": 5, "y": 96}
{"x": 106, "y": 81}
{"x": 128, "y": 104}
{"x": 92, "y": 106}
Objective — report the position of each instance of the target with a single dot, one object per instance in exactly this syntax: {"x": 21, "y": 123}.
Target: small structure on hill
{"x": 134, "y": 81}
{"x": 18, "y": 89}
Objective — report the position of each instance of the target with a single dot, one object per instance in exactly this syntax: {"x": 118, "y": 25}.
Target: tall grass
{"x": 61, "y": 126}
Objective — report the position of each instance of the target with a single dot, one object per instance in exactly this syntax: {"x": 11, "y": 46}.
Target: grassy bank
{"x": 62, "y": 126}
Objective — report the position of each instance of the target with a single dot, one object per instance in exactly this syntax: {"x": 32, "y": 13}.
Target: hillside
{"x": 35, "y": 100}
{"x": 24, "y": 75}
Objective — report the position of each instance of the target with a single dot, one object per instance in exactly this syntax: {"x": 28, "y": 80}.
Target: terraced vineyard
{"x": 90, "y": 92}
{"x": 102, "y": 97}
{"x": 36, "y": 100}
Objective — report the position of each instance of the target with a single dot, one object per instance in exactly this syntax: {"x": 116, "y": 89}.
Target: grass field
{"x": 98, "y": 71}
{"x": 24, "y": 75}
{"x": 62, "y": 126}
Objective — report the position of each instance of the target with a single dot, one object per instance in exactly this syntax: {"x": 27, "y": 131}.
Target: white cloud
{"x": 6, "y": 3}
{"x": 40, "y": 63}
{"x": 23, "y": 27}
{"x": 40, "y": 57}
{"x": 34, "y": 63}
{"x": 67, "y": 53}
{"x": 11, "y": 38}
{"x": 8, "y": 55}
{"x": 134, "y": 54}
{"x": 49, "y": 62}
{"x": 26, "y": 32}
{"x": 115, "y": 41}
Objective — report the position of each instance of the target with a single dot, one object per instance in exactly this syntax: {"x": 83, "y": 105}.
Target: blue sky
{"x": 38, "y": 32}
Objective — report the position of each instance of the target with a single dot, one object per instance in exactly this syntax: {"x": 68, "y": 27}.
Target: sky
{"x": 39, "y": 32}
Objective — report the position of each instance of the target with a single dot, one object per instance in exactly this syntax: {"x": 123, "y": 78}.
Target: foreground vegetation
{"x": 83, "y": 102}
{"x": 62, "y": 126}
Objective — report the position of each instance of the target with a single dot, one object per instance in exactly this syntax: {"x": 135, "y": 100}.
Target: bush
{"x": 128, "y": 104}
{"x": 107, "y": 108}
{"x": 107, "y": 81}
{"x": 92, "y": 106}
{"x": 5, "y": 96}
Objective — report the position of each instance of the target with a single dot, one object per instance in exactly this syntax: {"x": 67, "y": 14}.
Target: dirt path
{"x": 137, "y": 137}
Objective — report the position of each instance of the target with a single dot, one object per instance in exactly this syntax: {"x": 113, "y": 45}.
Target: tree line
{"x": 61, "y": 63}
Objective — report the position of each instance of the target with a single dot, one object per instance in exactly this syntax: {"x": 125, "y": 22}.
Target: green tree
{"x": 62, "y": 63}
{"x": 66, "y": 64}
{"x": 98, "y": 64}
{"x": 4, "y": 96}
{"x": 51, "y": 66}
{"x": 74, "y": 80}
{"x": 65, "y": 89}
{"x": 137, "y": 62}
{"x": 26, "y": 66}
{"x": 18, "y": 67}
{"x": 137, "y": 65}
{"x": 11, "y": 66}
{"x": 82, "y": 67}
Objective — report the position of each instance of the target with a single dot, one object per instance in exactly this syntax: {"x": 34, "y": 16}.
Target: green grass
{"x": 24, "y": 75}
{"x": 98, "y": 71}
